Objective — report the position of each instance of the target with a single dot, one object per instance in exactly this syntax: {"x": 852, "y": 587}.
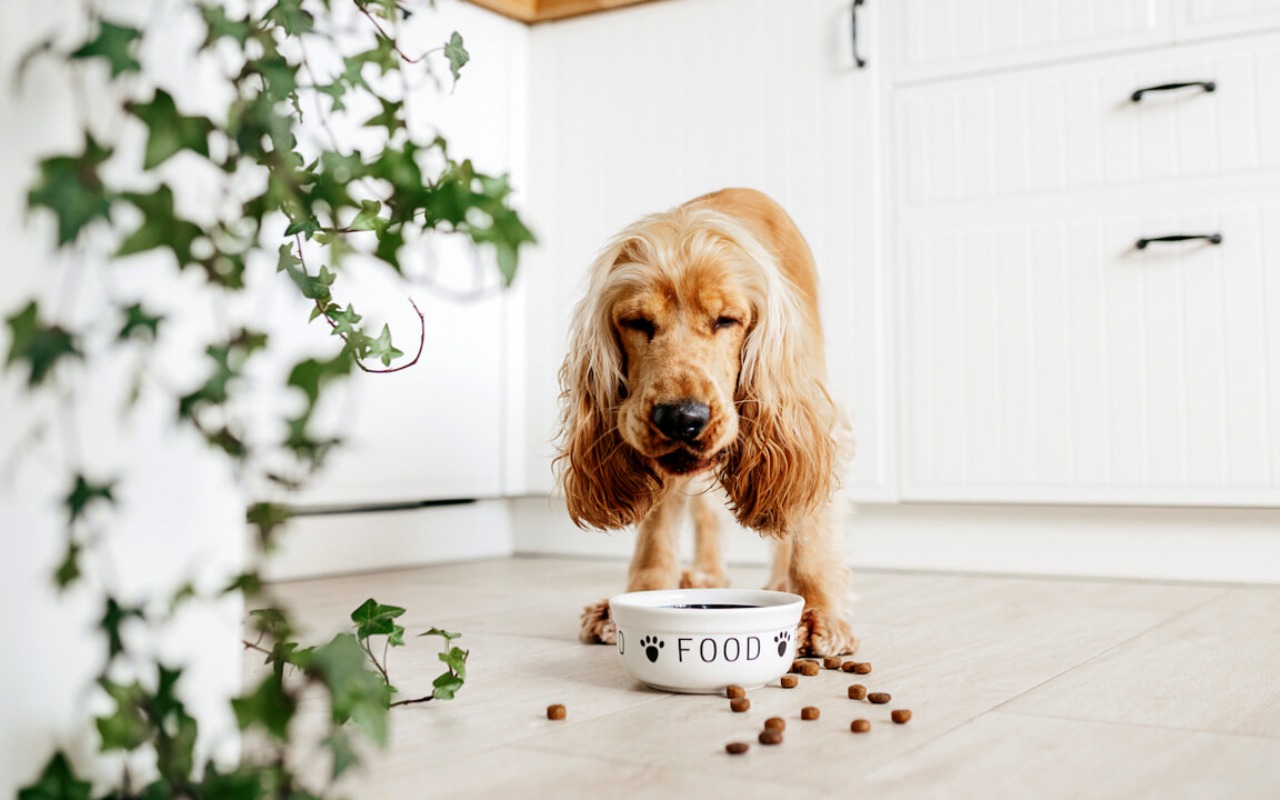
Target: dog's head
{"x": 689, "y": 353}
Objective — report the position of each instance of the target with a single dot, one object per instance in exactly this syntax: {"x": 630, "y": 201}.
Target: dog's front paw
{"x": 697, "y": 579}
{"x": 597, "y": 624}
{"x": 822, "y": 634}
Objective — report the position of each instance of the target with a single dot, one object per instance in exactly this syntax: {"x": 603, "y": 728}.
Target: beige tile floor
{"x": 1020, "y": 688}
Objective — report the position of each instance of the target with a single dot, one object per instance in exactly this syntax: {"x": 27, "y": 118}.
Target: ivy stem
{"x": 422, "y": 323}
{"x": 374, "y": 659}
{"x": 431, "y": 696}
{"x": 394, "y": 44}
{"x": 248, "y": 645}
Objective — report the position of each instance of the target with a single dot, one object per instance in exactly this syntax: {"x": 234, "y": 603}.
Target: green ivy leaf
{"x": 39, "y": 345}
{"x": 220, "y": 25}
{"x": 310, "y": 375}
{"x": 375, "y": 619}
{"x": 269, "y": 707}
{"x": 290, "y": 15}
{"x": 71, "y": 188}
{"x": 83, "y": 494}
{"x": 68, "y": 570}
{"x": 113, "y": 618}
{"x": 306, "y": 227}
{"x": 270, "y": 621}
{"x": 344, "y": 322}
{"x": 128, "y": 728}
{"x": 160, "y": 227}
{"x": 357, "y": 693}
{"x": 456, "y": 659}
{"x": 168, "y": 131}
{"x": 249, "y": 583}
{"x": 381, "y": 348}
{"x": 267, "y": 518}
{"x": 446, "y": 686}
{"x": 118, "y": 44}
{"x": 57, "y": 782}
{"x": 390, "y": 117}
{"x": 243, "y": 783}
{"x": 457, "y": 55}
{"x": 316, "y": 288}
{"x": 344, "y": 755}
{"x": 140, "y": 324}
{"x": 367, "y": 219}
{"x": 448, "y": 636}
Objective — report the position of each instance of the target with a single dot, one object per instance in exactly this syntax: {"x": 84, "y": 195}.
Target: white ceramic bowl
{"x": 669, "y": 640}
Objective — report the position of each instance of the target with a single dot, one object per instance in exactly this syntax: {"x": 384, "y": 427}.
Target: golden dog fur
{"x": 715, "y": 302}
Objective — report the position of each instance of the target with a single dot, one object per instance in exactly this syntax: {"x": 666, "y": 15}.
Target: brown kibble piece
{"x": 832, "y": 662}
{"x": 770, "y": 737}
{"x": 901, "y": 716}
{"x": 737, "y": 748}
{"x": 862, "y": 667}
{"x": 809, "y": 668}
{"x": 857, "y": 692}
{"x": 556, "y": 711}
{"x": 734, "y": 692}
{"x": 860, "y": 726}
{"x": 789, "y": 681}
{"x": 740, "y": 704}
{"x": 775, "y": 724}
{"x": 848, "y": 666}
{"x": 879, "y": 697}
{"x": 809, "y": 712}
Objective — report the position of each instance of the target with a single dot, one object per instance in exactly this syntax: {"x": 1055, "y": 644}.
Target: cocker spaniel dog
{"x": 696, "y": 358}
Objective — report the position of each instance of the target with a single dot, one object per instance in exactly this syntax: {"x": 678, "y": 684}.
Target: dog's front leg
{"x": 655, "y": 564}
{"x": 818, "y": 573}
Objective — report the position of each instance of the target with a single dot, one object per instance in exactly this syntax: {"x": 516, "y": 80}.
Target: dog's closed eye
{"x": 639, "y": 324}
{"x": 725, "y": 322}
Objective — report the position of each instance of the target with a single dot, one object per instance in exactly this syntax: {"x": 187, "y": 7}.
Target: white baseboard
{"x": 359, "y": 542}
{"x": 1176, "y": 544}
{"x": 1173, "y": 544}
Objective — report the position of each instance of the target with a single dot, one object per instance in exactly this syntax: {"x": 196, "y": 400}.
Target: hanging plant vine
{"x": 310, "y": 208}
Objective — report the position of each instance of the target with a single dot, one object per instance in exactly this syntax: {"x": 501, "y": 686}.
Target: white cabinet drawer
{"x": 1054, "y": 362}
{"x": 1076, "y": 127}
{"x": 945, "y": 38}
{"x": 1195, "y": 19}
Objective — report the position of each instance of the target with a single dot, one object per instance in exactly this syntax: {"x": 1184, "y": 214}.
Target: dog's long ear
{"x": 782, "y": 465}
{"x": 606, "y": 484}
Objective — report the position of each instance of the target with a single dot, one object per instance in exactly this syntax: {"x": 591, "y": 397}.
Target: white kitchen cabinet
{"x": 1194, "y": 19}
{"x": 945, "y": 38}
{"x": 1046, "y": 358}
{"x": 1039, "y": 132}
{"x": 640, "y": 109}
{"x": 1051, "y": 360}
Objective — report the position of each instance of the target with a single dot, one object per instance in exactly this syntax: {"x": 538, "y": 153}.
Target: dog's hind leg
{"x": 708, "y": 563}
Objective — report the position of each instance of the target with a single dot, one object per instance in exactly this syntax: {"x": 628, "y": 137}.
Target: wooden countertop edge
{"x": 532, "y": 12}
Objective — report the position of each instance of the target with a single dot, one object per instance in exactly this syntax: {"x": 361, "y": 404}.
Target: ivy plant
{"x": 313, "y": 211}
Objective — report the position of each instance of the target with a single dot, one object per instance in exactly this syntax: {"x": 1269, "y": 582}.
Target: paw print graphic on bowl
{"x": 651, "y": 645}
{"x": 783, "y": 641}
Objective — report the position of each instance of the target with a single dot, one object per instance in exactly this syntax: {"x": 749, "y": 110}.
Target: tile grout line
{"x": 1176, "y": 617}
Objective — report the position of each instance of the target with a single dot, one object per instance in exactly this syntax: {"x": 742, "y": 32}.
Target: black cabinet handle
{"x": 857, "y": 59}
{"x": 1211, "y": 238}
{"x": 1208, "y": 86}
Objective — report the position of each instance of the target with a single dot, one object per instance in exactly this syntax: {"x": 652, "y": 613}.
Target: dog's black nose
{"x": 682, "y": 420}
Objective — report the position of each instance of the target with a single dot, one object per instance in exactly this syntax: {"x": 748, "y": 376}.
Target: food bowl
{"x": 702, "y": 640}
